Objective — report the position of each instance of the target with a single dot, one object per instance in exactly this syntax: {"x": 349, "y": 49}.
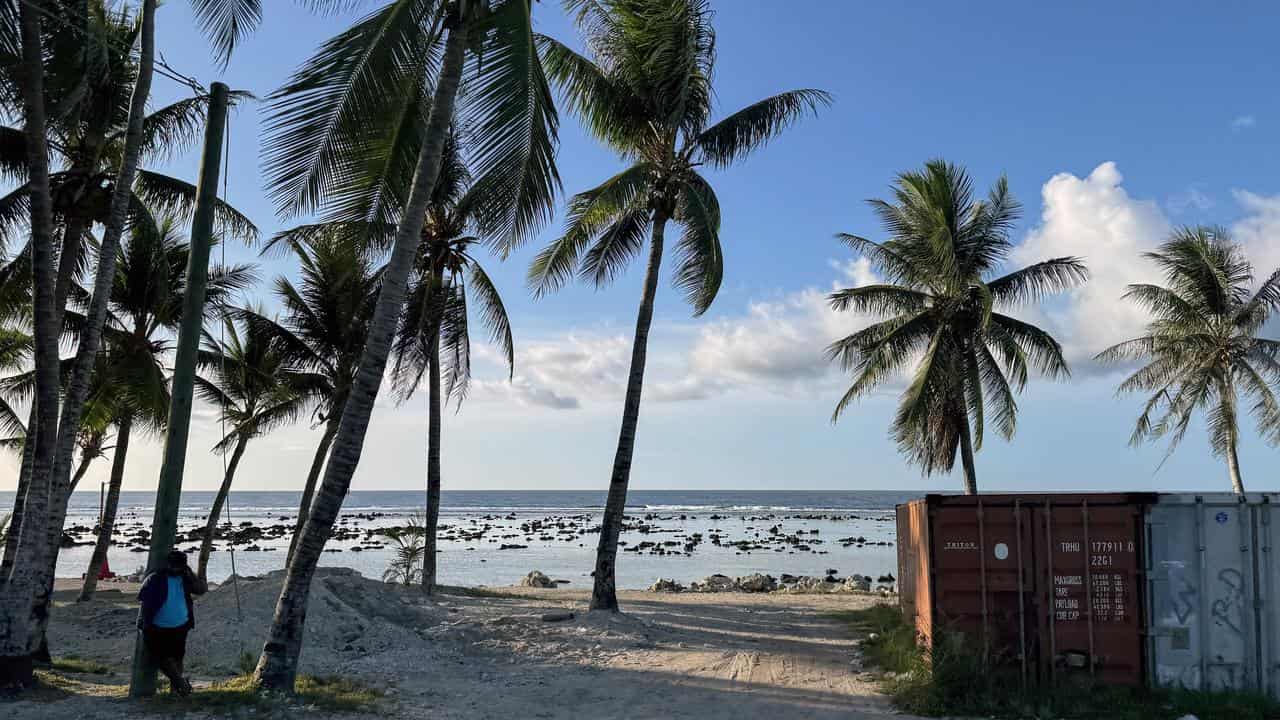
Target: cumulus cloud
{"x": 1259, "y": 230}
{"x": 1096, "y": 219}
{"x": 1243, "y": 122}
{"x": 777, "y": 345}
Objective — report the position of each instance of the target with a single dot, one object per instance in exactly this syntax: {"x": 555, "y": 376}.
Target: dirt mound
{"x": 348, "y": 616}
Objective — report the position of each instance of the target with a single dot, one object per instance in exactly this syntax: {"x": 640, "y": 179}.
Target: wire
{"x": 160, "y": 65}
{"x": 222, "y": 369}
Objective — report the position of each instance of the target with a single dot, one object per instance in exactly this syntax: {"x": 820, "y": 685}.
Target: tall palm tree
{"x": 256, "y": 391}
{"x": 1201, "y": 351}
{"x": 19, "y": 588}
{"x": 54, "y": 434}
{"x": 436, "y": 320}
{"x": 323, "y": 330}
{"x": 366, "y": 84}
{"x": 939, "y": 302}
{"x": 146, "y": 309}
{"x": 646, "y": 93}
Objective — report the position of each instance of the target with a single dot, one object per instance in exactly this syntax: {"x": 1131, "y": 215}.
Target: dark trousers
{"x": 168, "y": 647}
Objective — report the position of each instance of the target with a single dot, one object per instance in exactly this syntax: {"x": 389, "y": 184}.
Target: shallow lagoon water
{"x": 669, "y": 516}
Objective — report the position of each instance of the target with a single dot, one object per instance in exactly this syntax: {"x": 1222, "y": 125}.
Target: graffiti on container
{"x": 1228, "y": 608}
{"x": 1184, "y": 597}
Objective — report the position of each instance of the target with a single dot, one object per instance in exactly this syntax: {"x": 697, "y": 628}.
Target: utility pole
{"x": 164, "y": 525}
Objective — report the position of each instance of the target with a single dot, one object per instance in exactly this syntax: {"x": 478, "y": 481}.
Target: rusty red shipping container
{"x": 1047, "y": 584}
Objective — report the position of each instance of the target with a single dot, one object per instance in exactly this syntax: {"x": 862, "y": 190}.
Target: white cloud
{"x": 1259, "y": 230}
{"x": 1243, "y": 122}
{"x": 1096, "y": 219}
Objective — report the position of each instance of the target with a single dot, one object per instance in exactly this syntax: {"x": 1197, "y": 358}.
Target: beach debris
{"x": 665, "y": 585}
{"x": 537, "y": 579}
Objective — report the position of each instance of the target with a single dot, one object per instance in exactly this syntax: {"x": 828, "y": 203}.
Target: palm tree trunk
{"x": 107, "y": 525}
{"x": 19, "y": 507}
{"x": 44, "y": 596}
{"x": 309, "y": 491}
{"x": 966, "y": 452}
{"x": 433, "y": 464}
{"x": 211, "y": 526}
{"x": 18, "y": 592}
{"x": 1233, "y": 468}
{"x": 91, "y": 338}
{"x": 278, "y": 664}
{"x": 604, "y": 594}
{"x": 73, "y": 233}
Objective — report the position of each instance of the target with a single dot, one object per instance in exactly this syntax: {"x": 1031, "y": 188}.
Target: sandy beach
{"x": 458, "y": 655}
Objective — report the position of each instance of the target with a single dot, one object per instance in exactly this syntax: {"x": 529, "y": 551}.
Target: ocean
{"x": 683, "y": 535}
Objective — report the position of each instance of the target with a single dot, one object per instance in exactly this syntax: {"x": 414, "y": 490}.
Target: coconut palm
{"x": 1201, "y": 351}
{"x": 146, "y": 309}
{"x": 366, "y": 85}
{"x": 26, "y": 51}
{"x": 646, "y": 92}
{"x": 43, "y": 28}
{"x": 435, "y": 328}
{"x": 939, "y": 302}
{"x": 326, "y": 316}
{"x": 256, "y": 391}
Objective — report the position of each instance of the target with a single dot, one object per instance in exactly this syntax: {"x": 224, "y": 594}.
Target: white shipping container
{"x": 1210, "y": 577}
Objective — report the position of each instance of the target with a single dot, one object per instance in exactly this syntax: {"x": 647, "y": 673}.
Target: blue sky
{"x": 1113, "y": 121}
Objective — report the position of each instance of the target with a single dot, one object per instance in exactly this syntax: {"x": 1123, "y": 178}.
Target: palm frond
{"x": 1034, "y": 283}
{"x": 589, "y": 214}
{"x": 510, "y": 111}
{"x": 333, "y": 105}
{"x": 226, "y": 23}
{"x": 699, "y": 267}
{"x": 741, "y": 133}
{"x": 493, "y": 314}
{"x": 171, "y": 197}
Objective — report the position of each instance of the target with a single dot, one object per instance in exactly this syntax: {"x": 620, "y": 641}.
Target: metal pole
{"x": 164, "y": 525}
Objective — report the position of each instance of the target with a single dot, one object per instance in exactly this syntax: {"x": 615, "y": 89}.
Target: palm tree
{"x": 939, "y": 300}
{"x": 435, "y": 320}
{"x": 1202, "y": 350}
{"x": 368, "y": 84}
{"x": 146, "y": 309}
{"x": 20, "y": 586}
{"x": 326, "y": 320}
{"x": 646, "y": 93}
{"x": 54, "y": 434}
{"x": 256, "y": 390}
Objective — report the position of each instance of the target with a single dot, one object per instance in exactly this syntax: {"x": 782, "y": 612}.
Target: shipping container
{"x": 1212, "y": 581}
{"x": 1048, "y": 585}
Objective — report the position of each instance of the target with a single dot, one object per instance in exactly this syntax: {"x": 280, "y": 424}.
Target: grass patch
{"x": 953, "y": 679}
{"x": 74, "y": 664}
{"x": 332, "y": 694}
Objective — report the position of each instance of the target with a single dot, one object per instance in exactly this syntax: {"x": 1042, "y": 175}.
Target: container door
{"x": 1089, "y": 568}
{"x": 982, "y": 578}
{"x": 1204, "y": 632}
{"x": 1267, "y": 607}
{"x": 914, "y": 581}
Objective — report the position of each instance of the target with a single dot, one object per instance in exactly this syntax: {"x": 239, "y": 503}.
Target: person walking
{"x": 167, "y": 615}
